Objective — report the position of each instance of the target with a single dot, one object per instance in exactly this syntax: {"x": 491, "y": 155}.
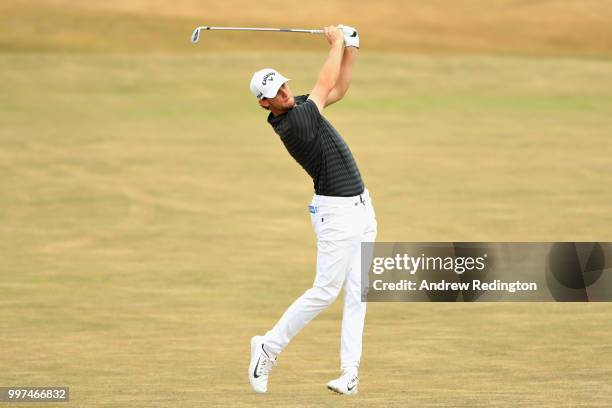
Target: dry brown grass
{"x": 147, "y": 230}
{"x": 574, "y": 27}
{"x": 151, "y": 222}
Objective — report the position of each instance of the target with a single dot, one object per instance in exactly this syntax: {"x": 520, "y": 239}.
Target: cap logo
{"x": 267, "y": 77}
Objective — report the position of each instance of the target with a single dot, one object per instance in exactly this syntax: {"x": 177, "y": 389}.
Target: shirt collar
{"x": 275, "y": 120}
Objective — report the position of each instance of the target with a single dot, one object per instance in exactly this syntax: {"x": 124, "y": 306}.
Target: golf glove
{"x": 351, "y": 37}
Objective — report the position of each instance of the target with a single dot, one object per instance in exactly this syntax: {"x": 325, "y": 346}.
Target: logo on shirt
{"x": 267, "y": 77}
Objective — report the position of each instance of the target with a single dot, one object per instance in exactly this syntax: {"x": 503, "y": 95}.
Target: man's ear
{"x": 264, "y": 103}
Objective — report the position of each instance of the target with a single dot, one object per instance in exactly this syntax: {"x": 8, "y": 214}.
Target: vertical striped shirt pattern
{"x": 314, "y": 143}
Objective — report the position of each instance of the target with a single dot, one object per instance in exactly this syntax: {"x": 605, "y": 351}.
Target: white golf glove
{"x": 351, "y": 37}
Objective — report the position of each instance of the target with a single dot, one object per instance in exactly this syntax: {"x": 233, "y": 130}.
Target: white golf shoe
{"x": 346, "y": 384}
{"x": 261, "y": 365}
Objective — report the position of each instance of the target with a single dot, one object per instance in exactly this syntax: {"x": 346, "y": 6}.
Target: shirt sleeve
{"x": 304, "y": 120}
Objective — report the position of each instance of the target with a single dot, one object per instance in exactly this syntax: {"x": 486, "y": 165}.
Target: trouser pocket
{"x": 321, "y": 221}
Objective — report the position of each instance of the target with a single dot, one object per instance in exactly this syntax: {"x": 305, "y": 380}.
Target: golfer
{"x": 341, "y": 211}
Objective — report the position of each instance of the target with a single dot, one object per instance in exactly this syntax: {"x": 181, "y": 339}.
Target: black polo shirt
{"x": 314, "y": 143}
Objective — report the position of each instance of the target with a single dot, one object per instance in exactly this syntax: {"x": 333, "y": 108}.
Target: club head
{"x": 195, "y": 37}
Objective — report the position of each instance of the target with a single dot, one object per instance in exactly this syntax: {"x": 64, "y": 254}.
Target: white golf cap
{"x": 266, "y": 82}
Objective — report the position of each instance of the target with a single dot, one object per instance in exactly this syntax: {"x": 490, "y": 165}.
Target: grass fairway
{"x": 535, "y": 27}
{"x": 151, "y": 223}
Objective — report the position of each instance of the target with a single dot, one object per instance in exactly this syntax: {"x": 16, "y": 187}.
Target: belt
{"x": 319, "y": 200}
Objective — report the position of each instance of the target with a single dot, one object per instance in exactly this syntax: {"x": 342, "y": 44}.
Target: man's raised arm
{"x": 344, "y": 79}
{"x": 351, "y": 47}
{"x": 328, "y": 76}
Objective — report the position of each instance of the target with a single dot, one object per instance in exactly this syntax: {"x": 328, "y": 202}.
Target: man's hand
{"x": 351, "y": 36}
{"x": 334, "y": 35}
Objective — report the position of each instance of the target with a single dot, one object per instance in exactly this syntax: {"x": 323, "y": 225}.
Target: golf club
{"x": 195, "y": 37}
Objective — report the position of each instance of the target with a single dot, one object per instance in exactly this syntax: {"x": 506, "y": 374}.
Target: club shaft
{"x": 285, "y": 30}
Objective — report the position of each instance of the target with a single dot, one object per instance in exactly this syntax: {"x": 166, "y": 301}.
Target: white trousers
{"x": 341, "y": 224}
